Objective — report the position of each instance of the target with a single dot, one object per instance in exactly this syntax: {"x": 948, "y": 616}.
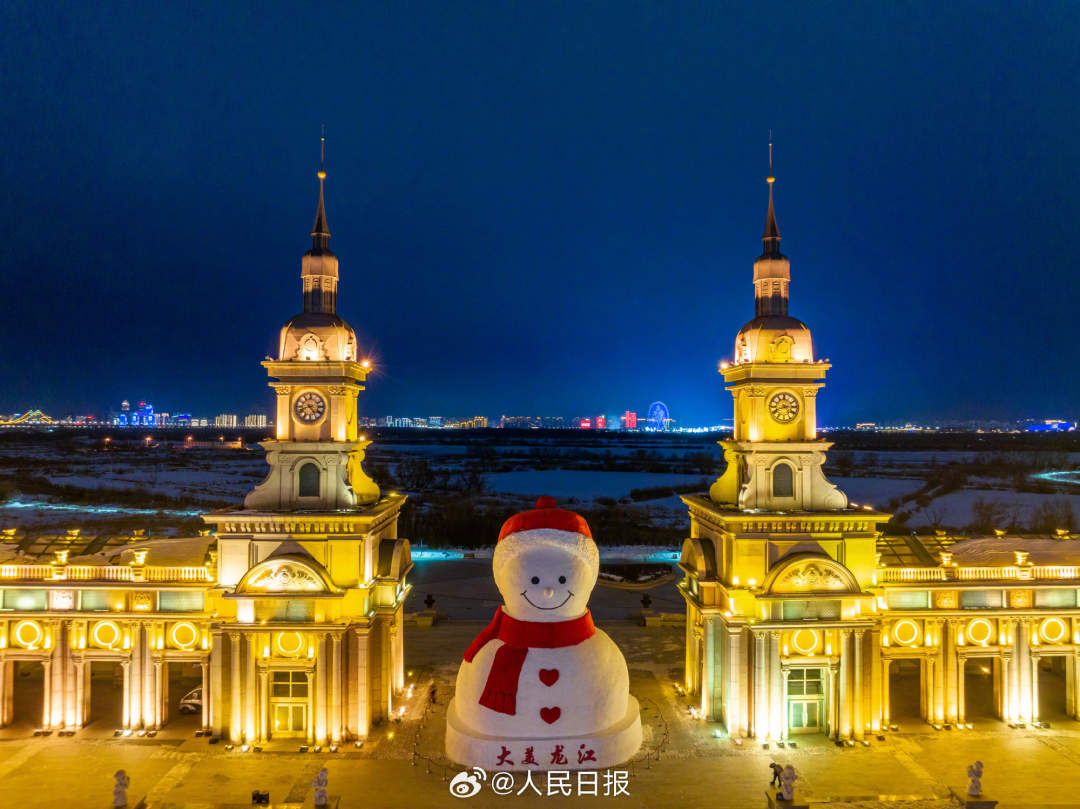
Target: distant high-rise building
{"x": 225, "y": 420}
{"x": 601, "y": 422}
{"x": 255, "y": 420}
{"x": 629, "y": 420}
{"x": 585, "y": 424}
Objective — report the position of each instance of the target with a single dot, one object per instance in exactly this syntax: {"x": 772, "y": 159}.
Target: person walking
{"x": 776, "y": 770}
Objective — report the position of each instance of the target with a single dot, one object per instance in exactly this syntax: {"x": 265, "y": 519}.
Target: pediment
{"x": 810, "y": 573}
{"x": 286, "y": 574}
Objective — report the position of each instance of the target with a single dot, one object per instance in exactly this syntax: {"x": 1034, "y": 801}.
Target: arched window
{"x": 309, "y": 480}
{"x": 783, "y": 480}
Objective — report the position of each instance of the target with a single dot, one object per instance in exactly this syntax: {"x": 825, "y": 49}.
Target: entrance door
{"x": 806, "y": 701}
{"x": 288, "y": 703}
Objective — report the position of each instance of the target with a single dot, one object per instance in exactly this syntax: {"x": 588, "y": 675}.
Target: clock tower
{"x": 774, "y": 457}
{"x": 777, "y": 557}
{"x": 315, "y": 459}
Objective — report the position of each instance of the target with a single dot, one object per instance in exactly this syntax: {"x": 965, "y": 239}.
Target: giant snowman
{"x": 541, "y": 687}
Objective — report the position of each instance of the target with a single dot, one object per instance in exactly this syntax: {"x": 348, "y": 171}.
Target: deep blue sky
{"x": 543, "y": 207}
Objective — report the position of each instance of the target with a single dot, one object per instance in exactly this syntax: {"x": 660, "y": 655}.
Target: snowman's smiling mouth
{"x": 569, "y": 595}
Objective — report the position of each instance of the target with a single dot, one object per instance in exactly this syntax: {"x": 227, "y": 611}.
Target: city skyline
{"x": 543, "y": 263}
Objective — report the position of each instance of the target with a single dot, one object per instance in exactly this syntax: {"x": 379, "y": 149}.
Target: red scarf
{"x": 500, "y": 691}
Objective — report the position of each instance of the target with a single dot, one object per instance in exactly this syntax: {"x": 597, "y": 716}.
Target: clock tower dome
{"x": 774, "y": 457}
{"x": 315, "y": 459}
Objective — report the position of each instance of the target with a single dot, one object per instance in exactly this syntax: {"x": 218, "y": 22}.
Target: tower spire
{"x": 320, "y": 233}
{"x": 771, "y": 237}
{"x": 319, "y": 266}
{"x": 772, "y": 274}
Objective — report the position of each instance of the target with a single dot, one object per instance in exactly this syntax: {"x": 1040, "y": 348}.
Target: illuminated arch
{"x": 288, "y": 573}
{"x": 810, "y": 573}
{"x": 698, "y": 556}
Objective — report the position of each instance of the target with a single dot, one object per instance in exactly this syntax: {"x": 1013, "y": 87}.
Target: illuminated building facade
{"x": 288, "y": 614}
{"x": 801, "y": 617}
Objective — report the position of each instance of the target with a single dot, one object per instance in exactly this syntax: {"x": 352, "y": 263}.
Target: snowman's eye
{"x": 562, "y": 579}
{"x": 535, "y": 579}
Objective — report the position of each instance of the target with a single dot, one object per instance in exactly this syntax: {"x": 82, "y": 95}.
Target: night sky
{"x": 540, "y": 207}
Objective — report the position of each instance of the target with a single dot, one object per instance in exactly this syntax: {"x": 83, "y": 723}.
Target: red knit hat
{"x": 546, "y": 515}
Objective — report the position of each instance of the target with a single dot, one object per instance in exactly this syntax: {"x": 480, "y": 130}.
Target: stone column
{"x": 1034, "y": 682}
{"x": 857, "y": 721}
{"x": 46, "y": 695}
{"x": 6, "y": 690}
{"x": 783, "y": 706}
{"x": 335, "y": 689}
{"x": 159, "y": 694}
{"x": 264, "y": 705}
{"x": 886, "y": 705}
{"x": 777, "y": 704}
{"x": 939, "y": 673}
{"x": 951, "y": 653}
{"x": 399, "y": 648}
{"x": 738, "y": 673}
{"x": 80, "y": 693}
{"x": 125, "y": 665}
{"x": 250, "y": 709}
{"x": 761, "y": 694}
{"x": 216, "y": 698}
{"x": 961, "y": 688}
{"x": 1072, "y": 678}
{"x": 844, "y": 707}
{"x": 235, "y": 675}
{"x": 703, "y": 650}
{"x": 876, "y": 712}
{"x": 1007, "y": 699}
{"x": 311, "y": 707}
{"x": 321, "y": 702}
{"x": 204, "y": 667}
{"x": 692, "y": 662}
{"x": 1022, "y": 671}
{"x": 363, "y": 699}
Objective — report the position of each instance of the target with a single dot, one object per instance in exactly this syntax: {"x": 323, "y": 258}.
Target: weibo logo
{"x": 467, "y": 782}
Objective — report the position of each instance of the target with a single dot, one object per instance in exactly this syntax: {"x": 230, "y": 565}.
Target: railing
{"x": 25, "y": 571}
{"x": 185, "y": 574}
{"x": 96, "y": 573}
{"x": 981, "y": 573}
{"x": 120, "y": 573}
{"x": 907, "y": 575}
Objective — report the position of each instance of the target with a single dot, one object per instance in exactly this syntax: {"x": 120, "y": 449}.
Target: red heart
{"x": 550, "y": 715}
{"x": 549, "y": 676}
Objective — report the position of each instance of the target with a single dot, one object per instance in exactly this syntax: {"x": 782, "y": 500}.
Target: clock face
{"x": 309, "y": 407}
{"x": 783, "y": 407}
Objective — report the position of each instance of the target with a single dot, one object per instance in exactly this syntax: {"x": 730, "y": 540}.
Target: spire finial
{"x": 322, "y": 154}
{"x": 771, "y": 237}
{"x": 320, "y": 233}
{"x": 770, "y": 179}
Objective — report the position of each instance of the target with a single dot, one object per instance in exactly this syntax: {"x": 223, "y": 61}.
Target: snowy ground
{"x": 955, "y": 509}
{"x": 585, "y": 485}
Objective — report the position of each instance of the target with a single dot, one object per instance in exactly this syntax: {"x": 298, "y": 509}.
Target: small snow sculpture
{"x": 975, "y": 774}
{"x": 787, "y": 783}
{"x": 320, "y": 787}
{"x": 120, "y": 788}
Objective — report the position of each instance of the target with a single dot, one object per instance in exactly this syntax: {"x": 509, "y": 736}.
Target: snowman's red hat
{"x": 548, "y": 525}
{"x": 545, "y": 515}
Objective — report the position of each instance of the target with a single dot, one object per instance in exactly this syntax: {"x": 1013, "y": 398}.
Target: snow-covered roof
{"x": 999, "y": 551}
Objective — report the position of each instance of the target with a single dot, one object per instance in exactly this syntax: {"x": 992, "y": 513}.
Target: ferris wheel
{"x": 659, "y": 416}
